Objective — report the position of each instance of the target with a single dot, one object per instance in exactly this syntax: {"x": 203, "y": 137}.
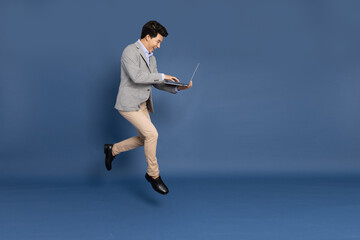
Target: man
{"x": 138, "y": 74}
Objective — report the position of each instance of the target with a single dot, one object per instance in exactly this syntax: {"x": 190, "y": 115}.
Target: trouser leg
{"x": 127, "y": 144}
{"x": 148, "y": 136}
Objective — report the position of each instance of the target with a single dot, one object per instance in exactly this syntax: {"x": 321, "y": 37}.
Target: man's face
{"x": 153, "y": 43}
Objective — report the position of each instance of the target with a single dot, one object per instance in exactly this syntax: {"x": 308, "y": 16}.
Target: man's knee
{"x": 152, "y": 134}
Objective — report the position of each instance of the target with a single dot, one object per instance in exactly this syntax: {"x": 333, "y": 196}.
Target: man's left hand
{"x": 185, "y": 87}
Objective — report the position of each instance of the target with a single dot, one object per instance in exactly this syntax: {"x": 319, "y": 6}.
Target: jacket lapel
{"x": 141, "y": 51}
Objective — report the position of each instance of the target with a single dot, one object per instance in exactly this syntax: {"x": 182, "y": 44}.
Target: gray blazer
{"x": 137, "y": 79}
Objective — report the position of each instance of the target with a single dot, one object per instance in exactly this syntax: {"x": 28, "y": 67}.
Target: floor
{"x": 232, "y": 207}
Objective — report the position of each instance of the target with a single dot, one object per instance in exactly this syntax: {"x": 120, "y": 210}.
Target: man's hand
{"x": 184, "y": 88}
{"x": 171, "y": 78}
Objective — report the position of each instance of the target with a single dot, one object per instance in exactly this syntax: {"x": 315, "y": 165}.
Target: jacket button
{"x": 148, "y": 89}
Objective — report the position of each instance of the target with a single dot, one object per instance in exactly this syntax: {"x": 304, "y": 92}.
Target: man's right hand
{"x": 171, "y": 78}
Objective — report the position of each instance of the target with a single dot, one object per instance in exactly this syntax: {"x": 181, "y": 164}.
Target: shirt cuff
{"x": 176, "y": 89}
{"x": 162, "y": 77}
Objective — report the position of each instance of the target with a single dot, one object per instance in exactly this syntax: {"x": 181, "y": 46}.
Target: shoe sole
{"x": 105, "y": 150}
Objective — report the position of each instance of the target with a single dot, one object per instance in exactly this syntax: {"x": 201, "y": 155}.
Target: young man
{"x": 138, "y": 74}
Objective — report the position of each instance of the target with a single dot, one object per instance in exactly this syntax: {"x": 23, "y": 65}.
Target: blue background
{"x": 275, "y": 99}
{"x": 277, "y": 89}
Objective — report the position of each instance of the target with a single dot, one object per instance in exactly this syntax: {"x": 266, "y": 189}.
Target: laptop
{"x": 182, "y": 84}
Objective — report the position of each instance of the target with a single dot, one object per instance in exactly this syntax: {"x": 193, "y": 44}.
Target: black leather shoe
{"x": 157, "y": 184}
{"x": 108, "y": 156}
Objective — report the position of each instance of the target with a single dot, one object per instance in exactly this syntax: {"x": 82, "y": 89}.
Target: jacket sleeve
{"x": 131, "y": 66}
{"x": 162, "y": 86}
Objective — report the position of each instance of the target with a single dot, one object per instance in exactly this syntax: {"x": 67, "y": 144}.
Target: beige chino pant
{"x": 147, "y": 137}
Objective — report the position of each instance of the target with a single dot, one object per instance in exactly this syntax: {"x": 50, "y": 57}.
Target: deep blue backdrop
{"x": 277, "y": 89}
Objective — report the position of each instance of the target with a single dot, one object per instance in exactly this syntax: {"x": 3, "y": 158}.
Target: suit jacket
{"x": 137, "y": 79}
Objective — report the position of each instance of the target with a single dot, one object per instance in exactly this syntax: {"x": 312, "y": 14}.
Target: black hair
{"x": 153, "y": 28}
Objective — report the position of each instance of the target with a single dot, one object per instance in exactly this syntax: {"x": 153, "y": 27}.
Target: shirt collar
{"x": 145, "y": 50}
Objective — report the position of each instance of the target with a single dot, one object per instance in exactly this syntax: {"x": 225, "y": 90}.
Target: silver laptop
{"x": 182, "y": 84}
